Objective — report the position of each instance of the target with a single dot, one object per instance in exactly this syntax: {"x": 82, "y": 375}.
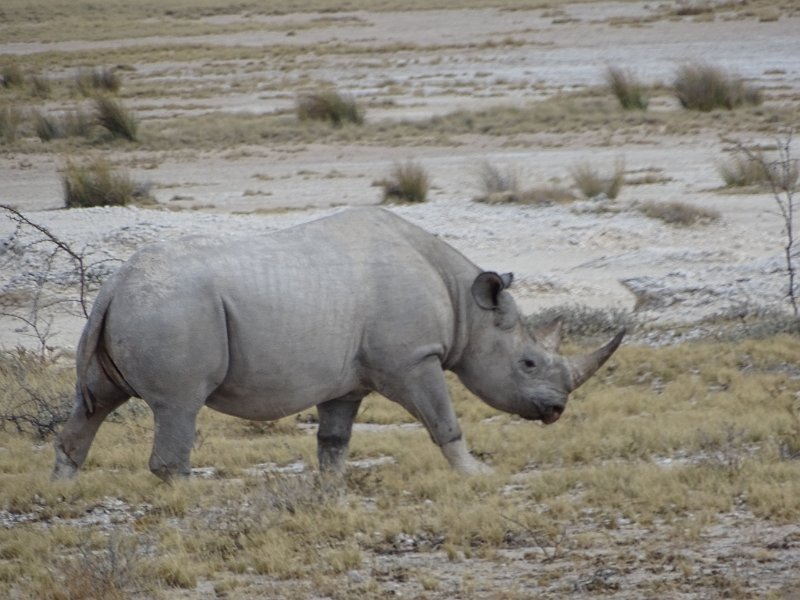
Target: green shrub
{"x": 704, "y": 88}
{"x": 408, "y": 182}
{"x": 678, "y": 213}
{"x": 593, "y": 184}
{"x": 329, "y": 105}
{"x": 629, "y": 92}
{"x": 115, "y": 118}
{"x": 98, "y": 184}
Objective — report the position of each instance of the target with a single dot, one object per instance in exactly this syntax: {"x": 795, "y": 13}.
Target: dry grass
{"x": 92, "y": 81}
{"x": 329, "y": 106}
{"x": 662, "y": 440}
{"x": 11, "y": 75}
{"x": 74, "y": 123}
{"x": 407, "y": 182}
{"x": 502, "y": 186}
{"x": 756, "y": 172}
{"x": 705, "y": 88}
{"x": 97, "y": 183}
{"x": 10, "y": 121}
{"x": 115, "y": 118}
{"x": 630, "y": 93}
{"x": 592, "y": 183}
{"x": 678, "y": 213}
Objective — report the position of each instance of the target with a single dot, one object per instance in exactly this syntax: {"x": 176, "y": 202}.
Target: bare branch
{"x": 782, "y": 174}
{"x": 16, "y": 216}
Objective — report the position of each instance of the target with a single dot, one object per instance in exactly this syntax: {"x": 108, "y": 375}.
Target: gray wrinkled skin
{"x": 316, "y": 315}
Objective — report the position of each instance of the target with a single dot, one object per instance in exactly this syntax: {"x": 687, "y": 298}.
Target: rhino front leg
{"x": 423, "y": 392}
{"x": 335, "y": 426}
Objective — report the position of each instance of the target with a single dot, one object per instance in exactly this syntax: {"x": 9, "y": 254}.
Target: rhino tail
{"x": 88, "y": 346}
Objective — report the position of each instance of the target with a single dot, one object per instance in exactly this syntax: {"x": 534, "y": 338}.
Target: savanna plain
{"x": 575, "y": 144}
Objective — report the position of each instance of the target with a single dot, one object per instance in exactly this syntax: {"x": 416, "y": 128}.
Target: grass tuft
{"x": 98, "y": 184}
{"x": 501, "y": 186}
{"x": 41, "y": 86}
{"x": 12, "y": 75}
{"x": 10, "y": 120}
{"x": 408, "y": 182}
{"x": 70, "y": 124}
{"x": 90, "y": 81}
{"x": 592, "y": 184}
{"x": 705, "y": 88}
{"x": 493, "y": 180}
{"x": 330, "y": 106}
{"x": 755, "y": 171}
{"x": 678, "y": 213}
{"x": 629, "y": 92}
{"x": 115, "y": 118}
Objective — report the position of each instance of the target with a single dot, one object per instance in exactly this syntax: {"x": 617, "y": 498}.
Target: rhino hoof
{"x": 65, "y": 467}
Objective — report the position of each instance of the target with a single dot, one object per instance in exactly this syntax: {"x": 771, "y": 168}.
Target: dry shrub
{"x": 593, "y": 184}
{"x": 330, "y": 106}
{"x": 36, "y": 392}
{"x": 115, "y": 118}
{"x": 110, "y": 573}
{"x": 704, "y": 88}
{"x": 98, "y": 184}
{"x": 629, "y": 92}
{"x": 408, "y": 182}
{"x": 678, "y": 213}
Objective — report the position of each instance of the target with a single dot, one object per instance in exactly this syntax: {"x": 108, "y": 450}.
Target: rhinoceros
{"x": 319, "y": 314}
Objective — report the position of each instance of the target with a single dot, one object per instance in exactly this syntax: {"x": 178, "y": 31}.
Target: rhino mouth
{"x": 551, "y": 416}
{"x": 547, "y": 415}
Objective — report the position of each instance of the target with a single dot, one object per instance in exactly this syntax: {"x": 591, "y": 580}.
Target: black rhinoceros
{"x": 316, "y": 315}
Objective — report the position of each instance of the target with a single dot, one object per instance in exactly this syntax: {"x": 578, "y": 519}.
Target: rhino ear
{"x": 487, "y": 287}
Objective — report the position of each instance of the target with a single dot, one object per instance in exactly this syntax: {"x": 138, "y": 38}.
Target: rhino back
{"x": 274, "y": 324}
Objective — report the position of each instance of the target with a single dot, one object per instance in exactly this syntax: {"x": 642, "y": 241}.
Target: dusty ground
{"x": 560, "y": 254}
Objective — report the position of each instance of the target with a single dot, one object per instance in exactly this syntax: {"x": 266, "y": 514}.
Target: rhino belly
{"x": 264, "y": 405}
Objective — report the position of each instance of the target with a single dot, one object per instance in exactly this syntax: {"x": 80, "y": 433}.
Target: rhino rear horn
{"x": 549, "y": 334}
{"x": 582, "y": 368}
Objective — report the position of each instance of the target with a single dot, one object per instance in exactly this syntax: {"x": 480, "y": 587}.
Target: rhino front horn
{"x": 582, "y": 368}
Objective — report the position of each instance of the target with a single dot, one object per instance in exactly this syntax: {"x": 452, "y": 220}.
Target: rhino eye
{"x": 528, "y": 363}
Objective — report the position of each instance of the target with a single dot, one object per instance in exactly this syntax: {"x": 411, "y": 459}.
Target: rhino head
{"x": 517, "y": 370}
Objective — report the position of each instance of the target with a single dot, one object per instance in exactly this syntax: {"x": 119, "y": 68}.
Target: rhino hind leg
{"x": 76, "y": 437}
{"x": 335, "y": 426}
{"x": 175, "y": 424}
